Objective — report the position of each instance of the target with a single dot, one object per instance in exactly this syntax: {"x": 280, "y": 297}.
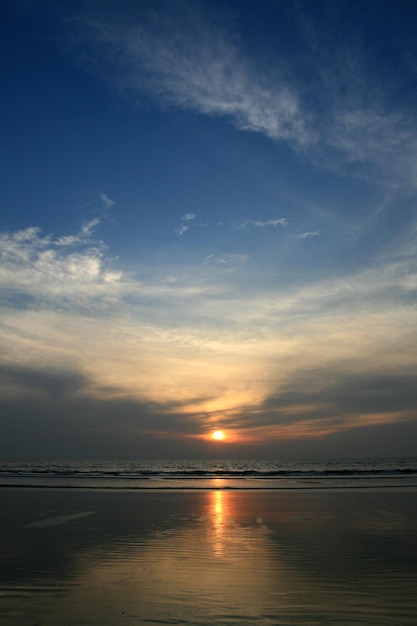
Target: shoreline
{"x": 143, "y": 485}
{"x": 381, "y": 488}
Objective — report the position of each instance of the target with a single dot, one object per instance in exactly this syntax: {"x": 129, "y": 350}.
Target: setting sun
{"x": 218, "y": 435}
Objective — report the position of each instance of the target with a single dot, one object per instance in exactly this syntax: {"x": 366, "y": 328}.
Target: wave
{"x": 228, "y": 470}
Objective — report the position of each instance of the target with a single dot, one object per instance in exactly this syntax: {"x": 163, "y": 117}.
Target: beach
{"x": 215, "y": 556}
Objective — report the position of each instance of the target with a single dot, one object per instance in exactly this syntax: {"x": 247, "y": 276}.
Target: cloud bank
{"x": 84, "y": 343}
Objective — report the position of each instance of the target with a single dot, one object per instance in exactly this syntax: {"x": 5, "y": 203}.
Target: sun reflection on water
{"x": 220, "y": 514}
{"x": 248, "y": 557}
{"x": 219, "y": 521}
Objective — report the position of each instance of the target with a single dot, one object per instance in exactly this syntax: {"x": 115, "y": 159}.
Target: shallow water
{"x": 211, "y": 474}
{"x": 212, "y": 557}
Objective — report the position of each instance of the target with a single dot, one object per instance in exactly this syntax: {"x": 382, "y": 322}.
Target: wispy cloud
{"x": 108, "y": 202}
{"x": 279, "y": 221}
{"x": 272, "y": 223}
{"x": 366, "y": 136}
{"x": 308, "y": 234}
{"x": 230, "y": 260}
{"x": 180, "y": 57}
{"x": 88, "y": 228}
{"x": 181, "y": 230}
{"x": 188, "y": 217}
{"x": 78, "y": 239}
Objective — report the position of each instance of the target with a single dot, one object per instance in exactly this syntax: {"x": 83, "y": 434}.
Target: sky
{"x": 208, "y": 221}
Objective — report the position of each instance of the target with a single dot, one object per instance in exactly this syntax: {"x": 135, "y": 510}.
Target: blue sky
{"x": 208, "y": 221}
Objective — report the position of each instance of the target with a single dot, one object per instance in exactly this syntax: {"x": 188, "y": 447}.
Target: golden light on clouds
{"x": 269, "y": 369}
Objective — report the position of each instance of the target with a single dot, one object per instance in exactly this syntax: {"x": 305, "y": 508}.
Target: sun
{"x": 218, "y": 435}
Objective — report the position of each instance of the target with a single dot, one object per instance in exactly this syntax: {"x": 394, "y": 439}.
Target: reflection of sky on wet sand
{"x": 216, "y": 557}
{"x": 212, "y": 568}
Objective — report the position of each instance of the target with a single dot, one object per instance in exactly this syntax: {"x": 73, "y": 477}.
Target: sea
{"x": 209, "y": 543}
{"x": 241, "y": 474}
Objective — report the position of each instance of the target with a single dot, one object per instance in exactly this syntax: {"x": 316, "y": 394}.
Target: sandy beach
{"x": 210, "y": 557}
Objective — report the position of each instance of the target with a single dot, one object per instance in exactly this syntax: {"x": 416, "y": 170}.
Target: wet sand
{"x": 118, "y": 558}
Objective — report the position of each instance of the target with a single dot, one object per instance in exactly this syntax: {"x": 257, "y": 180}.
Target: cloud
{"x": 274, "y": 361}
{"x": 85, "y": 423}
{"x": 272, "y": 223}
{"x": 177, "y": 57}
{"x": 343, "y": 395}
{"x": 181, "y": 230}
{"x": 279, "y": 221}
{"x": 371, "y": 137}
{"x": 230, "y": 261}
{"x": 67, "y": 269}
{"x": 308, "y": 234}
{"x": 339, "y": 115}
{"x": 79, "y": 239}
{"x": 108, "y": 202}
{"x": 187, "y": 217}
{"x": 322, "y": 402}
{"x": 88, "y": 228}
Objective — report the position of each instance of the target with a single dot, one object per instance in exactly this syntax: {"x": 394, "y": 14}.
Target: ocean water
{"x": 212, "y": 474}
{"x": 209, "y": 543}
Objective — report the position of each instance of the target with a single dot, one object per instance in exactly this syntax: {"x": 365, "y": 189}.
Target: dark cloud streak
{"x": 59, "y": 414}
